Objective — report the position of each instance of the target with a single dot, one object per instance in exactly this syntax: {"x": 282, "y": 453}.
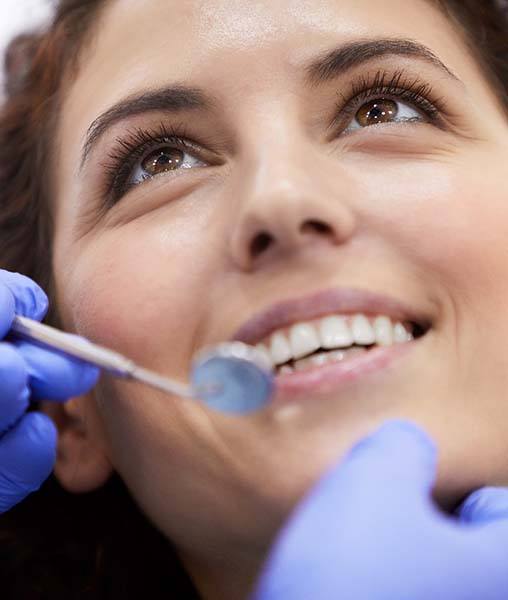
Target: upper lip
{"x": 335, "y": 300}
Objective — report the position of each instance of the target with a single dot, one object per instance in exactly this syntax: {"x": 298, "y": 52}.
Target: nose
{"x": 286, "y": 204}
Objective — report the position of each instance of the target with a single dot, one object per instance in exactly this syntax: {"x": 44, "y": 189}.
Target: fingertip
{"x": 73, "y": 378}
{"x": 40, "y": 430}
{"x": 399, "y": 435}
{"x": 55, "y": 376}
{"x": 484, "y": 505}
{"x": 398, "y": 456}
{"x": 84, "y": 378}
{"x": 35, "y": 303}
{"x": 29, "y": 298}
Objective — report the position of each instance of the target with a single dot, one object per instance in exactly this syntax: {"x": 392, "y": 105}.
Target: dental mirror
{"x": 232, "y": 377}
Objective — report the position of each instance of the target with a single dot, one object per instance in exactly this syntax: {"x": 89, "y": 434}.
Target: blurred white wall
{"x": 17, "y": 16}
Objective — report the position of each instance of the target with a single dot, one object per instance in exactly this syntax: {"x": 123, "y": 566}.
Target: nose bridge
{"x": 278, "y": 172}
{"x": 288, "y": 194}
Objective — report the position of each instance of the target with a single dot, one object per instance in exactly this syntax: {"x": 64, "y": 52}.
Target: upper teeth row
{"x": 333, "y": 331}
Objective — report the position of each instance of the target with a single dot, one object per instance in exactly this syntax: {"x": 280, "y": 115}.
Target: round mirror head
{"x": 232, "y": 377}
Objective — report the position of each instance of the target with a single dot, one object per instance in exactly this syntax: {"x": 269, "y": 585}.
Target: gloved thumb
{"x": 484, "y": 505}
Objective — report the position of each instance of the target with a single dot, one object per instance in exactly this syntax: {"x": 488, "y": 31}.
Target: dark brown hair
{"x": 98, "y": 545}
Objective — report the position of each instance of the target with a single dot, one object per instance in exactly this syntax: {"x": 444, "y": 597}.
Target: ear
{"x": 82, "y": 462}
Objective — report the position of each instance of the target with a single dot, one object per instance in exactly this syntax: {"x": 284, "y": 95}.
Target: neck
{"x": 226, "y": 576}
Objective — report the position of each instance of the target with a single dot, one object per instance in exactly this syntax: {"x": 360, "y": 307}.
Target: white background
{"x": 17, "y": 16}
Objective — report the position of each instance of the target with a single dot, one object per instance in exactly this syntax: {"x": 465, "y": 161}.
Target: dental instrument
{"x": 231, "y": 377}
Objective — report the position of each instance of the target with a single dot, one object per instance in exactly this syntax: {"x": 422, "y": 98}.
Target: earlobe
{"x": 82, "y": 464}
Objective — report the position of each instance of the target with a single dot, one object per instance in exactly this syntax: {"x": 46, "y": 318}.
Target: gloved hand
{"x": 28, "y": 440}
{"x": 369, "y": 530}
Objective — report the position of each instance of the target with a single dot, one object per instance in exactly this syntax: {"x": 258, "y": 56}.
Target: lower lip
{"x": 335, "y": 376}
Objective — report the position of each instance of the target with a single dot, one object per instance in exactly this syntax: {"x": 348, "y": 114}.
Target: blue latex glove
{"x": 369, "y": 530}
{"x": 28, "y": 440}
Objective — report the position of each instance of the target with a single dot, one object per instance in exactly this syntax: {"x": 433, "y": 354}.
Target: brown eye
{"x": 381, "y": 110}
{"x": 162, "y": 160}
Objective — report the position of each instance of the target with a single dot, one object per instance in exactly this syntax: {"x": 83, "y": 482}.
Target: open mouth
{"x": 328, "y": 370}
{"x": 326, "y": 340}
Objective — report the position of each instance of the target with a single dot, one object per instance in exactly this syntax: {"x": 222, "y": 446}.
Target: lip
{"x": 336, "y": 376}
{"x": 335, "y": 300}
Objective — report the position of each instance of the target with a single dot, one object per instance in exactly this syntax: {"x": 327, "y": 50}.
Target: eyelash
{"x": 400, "y": 86}
{"x": 122, "y": 158}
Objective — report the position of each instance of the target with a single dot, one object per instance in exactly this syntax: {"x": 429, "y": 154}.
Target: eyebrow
{"x": 327, "y": 66}
{"x": 348, "y": 56}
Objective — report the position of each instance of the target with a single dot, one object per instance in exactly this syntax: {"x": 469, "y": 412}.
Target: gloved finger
{"x": 14, "y": 392}
{"x": 27, "y": 456}
{"x": 55, "y": 376}
{"x": 389, "y": 472}
{"x": 29, "y": 299}
{"x": 484, "y": 505}
{"x": 7, "y": 309}
{"x": 378, "y": 488}
{"x": 399, "y": 457}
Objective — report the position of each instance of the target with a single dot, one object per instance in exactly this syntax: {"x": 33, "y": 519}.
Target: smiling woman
{"x": 321, "y": 179}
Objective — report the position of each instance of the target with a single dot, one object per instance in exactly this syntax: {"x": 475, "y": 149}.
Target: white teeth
{"x": 334, "y": 332}
{"x": 303, "y": 339}
{"x": 262, "y": 349}
{"x": 301, "y": 365}
{"x": 280, "y": 348}
{"x": 384, "y": 331}
{"x": 337, "y": 355}
{"x": 316, "y": 360}
{"x": 400, "y": 334}
{"x": 323, "y": 358}
{"x": 362, "y": 330}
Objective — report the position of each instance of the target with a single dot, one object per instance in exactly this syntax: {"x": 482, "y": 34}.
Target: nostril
{"x": 312, "y": 226}
{"x": 260, "y": 243}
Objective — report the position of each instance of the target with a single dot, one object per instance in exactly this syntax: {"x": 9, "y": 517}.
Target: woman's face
{"x": 285, "y": 186}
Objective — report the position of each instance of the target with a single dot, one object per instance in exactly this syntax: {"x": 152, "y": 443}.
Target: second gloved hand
{"x": 369, "y": 530}
{"x": 28, "y": 440}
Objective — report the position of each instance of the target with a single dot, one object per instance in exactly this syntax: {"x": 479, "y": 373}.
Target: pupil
{"x": 377, "y": 111}
{"x": 163, "y": 160}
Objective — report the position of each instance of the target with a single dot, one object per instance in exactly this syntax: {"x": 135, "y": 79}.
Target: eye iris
{"x": 165, "y": 159}
{"x": 377, "y": 111}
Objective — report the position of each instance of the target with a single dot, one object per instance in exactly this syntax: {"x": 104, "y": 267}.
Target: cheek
{"x": 449, "y": 219}
{"x": 135, "y": 290}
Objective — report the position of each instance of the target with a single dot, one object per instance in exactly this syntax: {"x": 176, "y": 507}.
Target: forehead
{"x": 238, "y": 51}
{"x": 146, "y": 42}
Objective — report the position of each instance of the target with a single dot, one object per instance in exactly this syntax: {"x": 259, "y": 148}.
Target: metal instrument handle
{"x": 76, "y": 347}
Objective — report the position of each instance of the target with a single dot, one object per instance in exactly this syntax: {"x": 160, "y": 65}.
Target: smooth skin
{"x": 411, "y": 210}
